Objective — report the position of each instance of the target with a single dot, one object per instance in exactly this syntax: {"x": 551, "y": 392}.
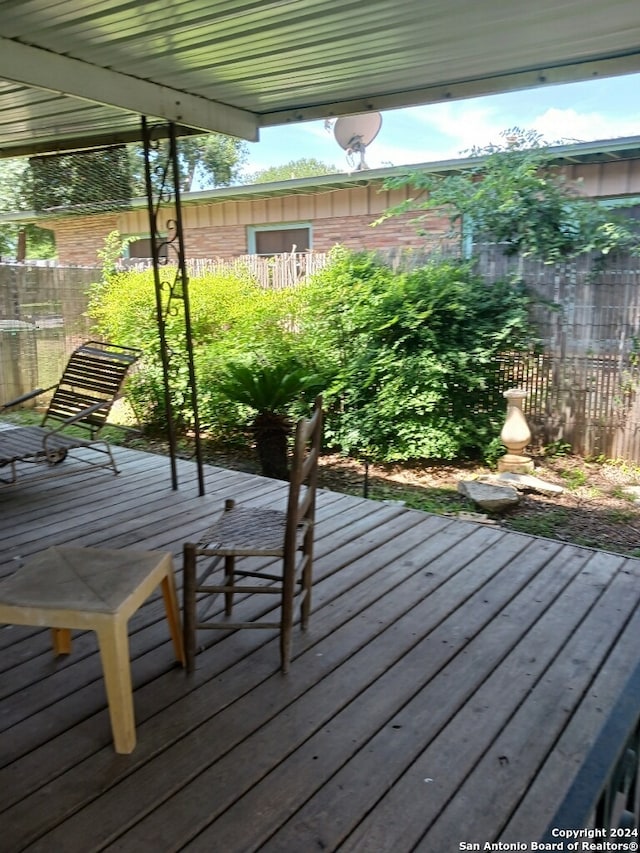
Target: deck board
{"x": 452, "y": 680}
{"x": 505, "y": 724}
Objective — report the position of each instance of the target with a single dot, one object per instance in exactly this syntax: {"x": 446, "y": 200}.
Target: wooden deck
{"x": 452, "y": 681}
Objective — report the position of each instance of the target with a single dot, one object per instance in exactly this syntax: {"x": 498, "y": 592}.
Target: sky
{"x": 575, "y": 112}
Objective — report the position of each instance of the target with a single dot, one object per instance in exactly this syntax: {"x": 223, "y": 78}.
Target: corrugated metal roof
{"x": 81, "y": 71}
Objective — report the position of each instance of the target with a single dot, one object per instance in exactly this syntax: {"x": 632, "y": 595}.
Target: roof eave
{"x": 571, "y": 153}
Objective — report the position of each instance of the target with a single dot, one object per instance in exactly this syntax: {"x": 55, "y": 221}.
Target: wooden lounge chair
{"x": 78, "y": 410}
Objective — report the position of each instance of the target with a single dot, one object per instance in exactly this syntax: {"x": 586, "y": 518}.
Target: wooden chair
{"x": 78, "y": 410}
{"x": 250, "y": 531}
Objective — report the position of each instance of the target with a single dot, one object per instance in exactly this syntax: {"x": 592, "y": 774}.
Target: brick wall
{"x": 354, "y": 232}
{"x": 358, "y": 232}
{"x": 78, "y": 239}
{"x": 224, "y": 241}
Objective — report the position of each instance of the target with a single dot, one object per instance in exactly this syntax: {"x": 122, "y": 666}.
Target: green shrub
{"x": 232, "y": 319}
{"x": 413, "y": 356}
{"x": 406, "y": 362}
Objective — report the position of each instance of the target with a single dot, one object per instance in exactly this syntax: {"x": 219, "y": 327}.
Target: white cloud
{"x": 465, "y": 125}
{"x": 449, "y": 131}
{"x": 573, "y": 126}
{"x": 429, "y": 134}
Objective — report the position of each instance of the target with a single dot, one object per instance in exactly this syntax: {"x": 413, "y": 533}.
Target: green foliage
{"x": 267, "y": 388}
{"x": 11, "y": 199}
{"x": 40, "y": 243}
{"x": 517, "y": 196}
{"x": 214, "y": 159}
{"x": 412, "y": 357}
{"x": 492, "y": 452}
{"x": 557, "y": 448}
{"x": 111, "y": 253}
{"x": 233, "y": 319}
{"x": 87, "y": 181}
{"x": 306, "y": 167}
{"x": 268, "y": 391}
{"x": 575, "y": 478}
{"x": 406, "y": 362}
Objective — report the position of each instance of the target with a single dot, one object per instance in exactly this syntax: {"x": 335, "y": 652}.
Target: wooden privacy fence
{"x": 582, "y": 388}
{"x": 588, "y": 402}
{"x": 579, "y": 308}
{"x": 42, "y": 319}
{"x": 277, "y": 271}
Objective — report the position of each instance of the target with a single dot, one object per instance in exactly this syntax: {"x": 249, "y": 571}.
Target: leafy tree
{"x": 11, "y": 199}
{"x": 86, "y": 181}
{"x": 37, "y": 242}
{"x": 307, "y": 167}
{"x": 517, "y": 196}
{"x": 105, "y": 179}
{"x": 217, "y": 158}
{"x": 214, "y": 159}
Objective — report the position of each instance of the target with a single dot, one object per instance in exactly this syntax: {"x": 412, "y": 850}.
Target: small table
{"x": 97, "y": 589}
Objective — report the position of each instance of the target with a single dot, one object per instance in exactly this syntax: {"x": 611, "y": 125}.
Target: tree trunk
{"x": 21, "y": 249}
{"x": 272, "y": 430}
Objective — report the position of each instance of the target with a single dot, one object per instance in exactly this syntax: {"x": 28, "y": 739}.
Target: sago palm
{"x": 269, "y": 391}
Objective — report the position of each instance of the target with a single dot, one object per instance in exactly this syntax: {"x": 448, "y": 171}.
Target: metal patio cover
{"x": 76, "y": 73}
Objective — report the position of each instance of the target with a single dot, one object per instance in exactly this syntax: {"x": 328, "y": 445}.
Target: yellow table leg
{"x": 170, "y": 597}
{"x": 113, "y": 640}
{"x": 61, "y": 638}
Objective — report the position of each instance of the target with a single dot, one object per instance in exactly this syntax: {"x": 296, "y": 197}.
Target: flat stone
{"x": 489, "y": 496}
{"x": 465, "y": 515}
{"x": 524, "y": 482}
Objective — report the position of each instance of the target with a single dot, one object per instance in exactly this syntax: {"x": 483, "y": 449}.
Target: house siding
{"x": 218, "y": 228}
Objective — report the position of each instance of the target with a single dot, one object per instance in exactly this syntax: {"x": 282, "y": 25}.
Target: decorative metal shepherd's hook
{"x": 170, "y": 294}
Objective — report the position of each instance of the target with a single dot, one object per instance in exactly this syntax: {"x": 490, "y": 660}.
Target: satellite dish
{"x": 354, "y": 133}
